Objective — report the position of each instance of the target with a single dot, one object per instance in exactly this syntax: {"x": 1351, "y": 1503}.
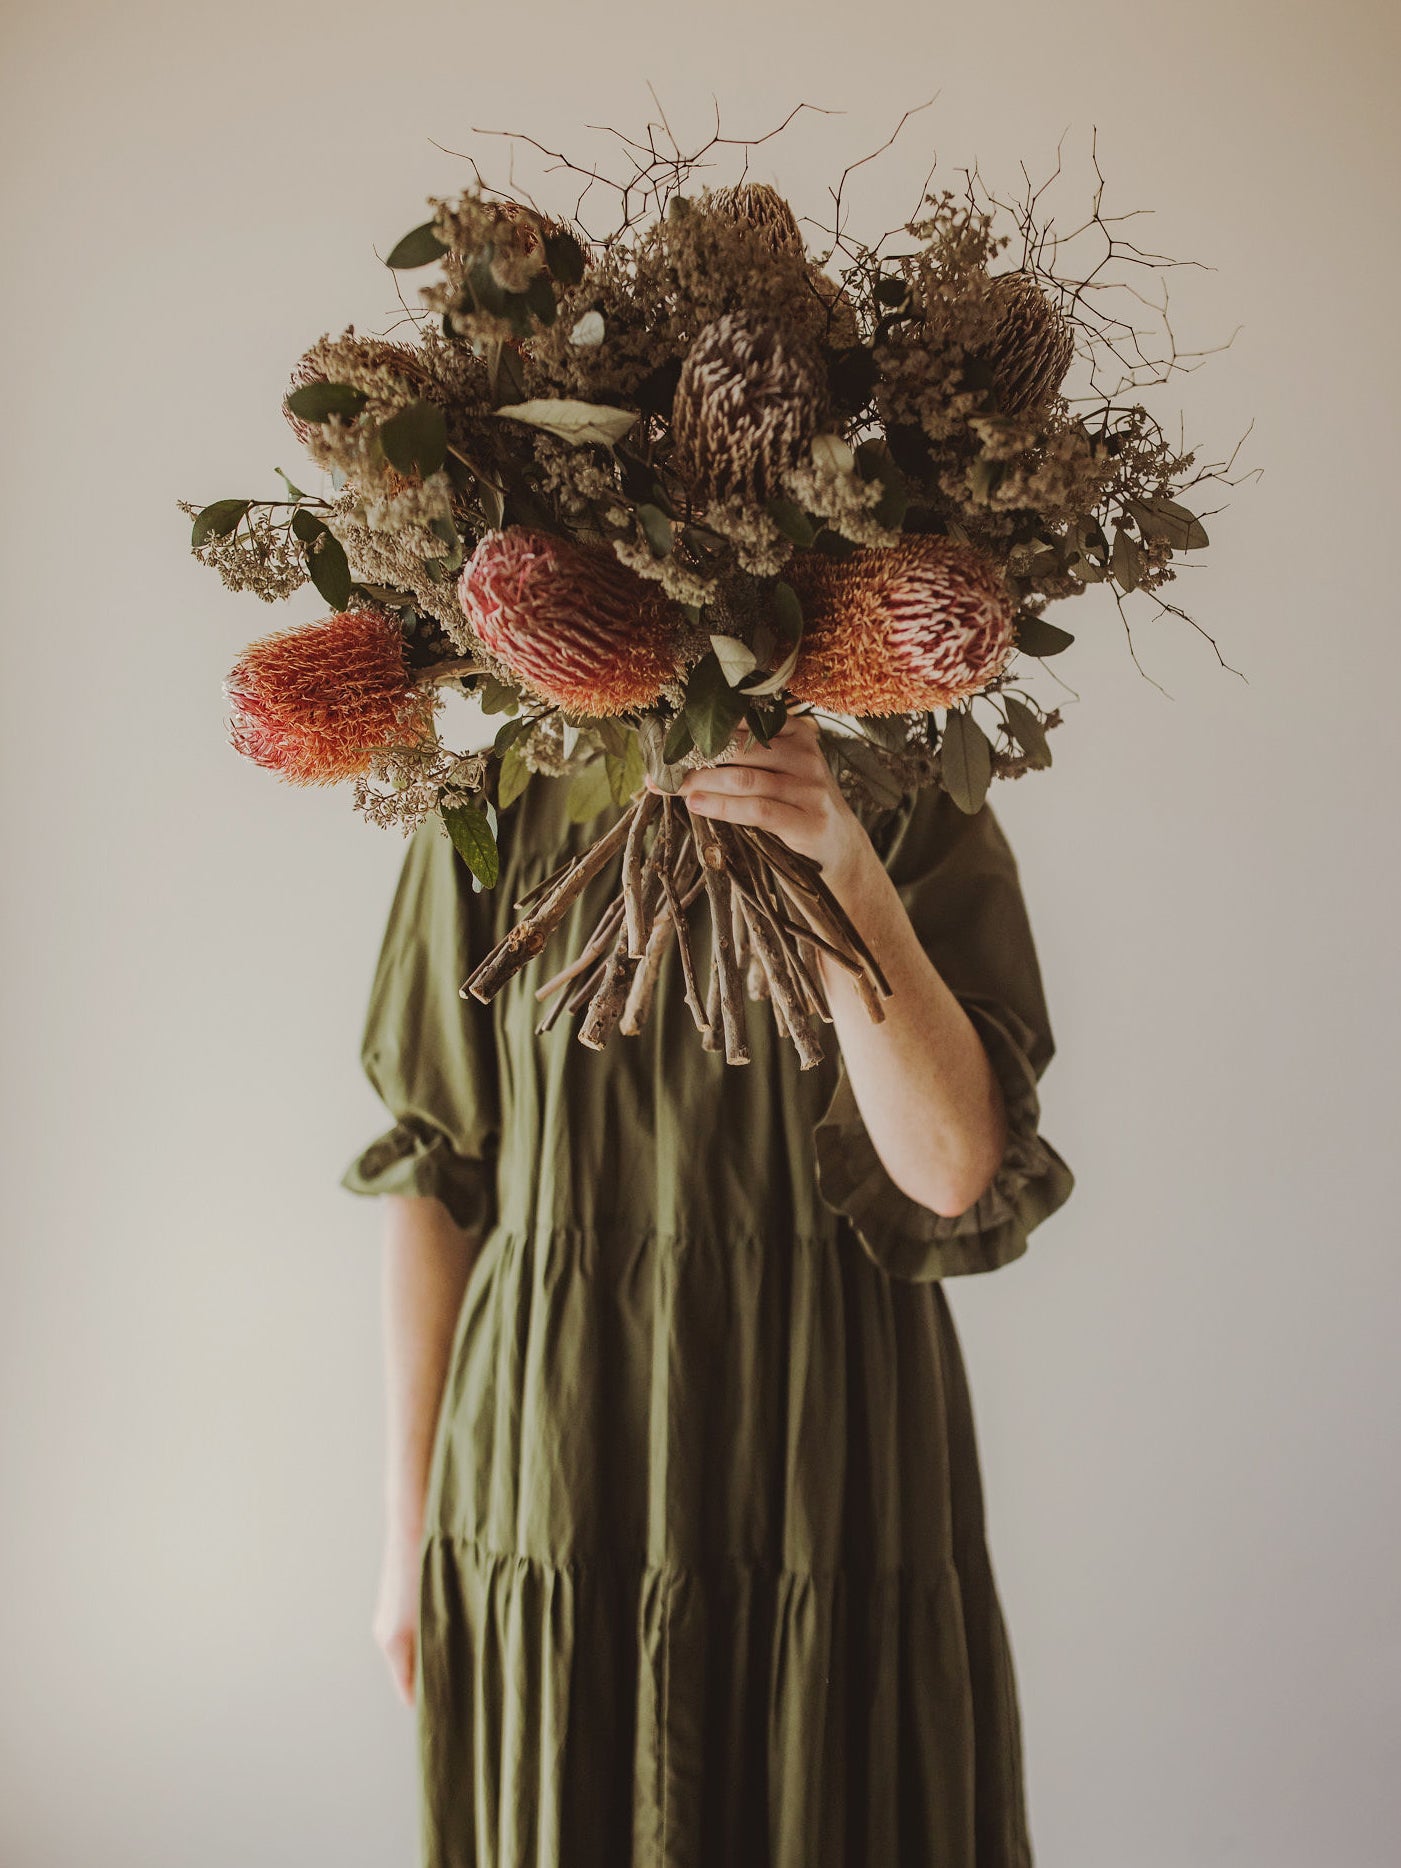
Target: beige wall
{"x": 1186, "y": 1391}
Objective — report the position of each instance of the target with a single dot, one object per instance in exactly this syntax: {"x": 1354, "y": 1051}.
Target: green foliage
{"x": 419, "y": 248}
{"x": 318, "y": 402}
{"x": 965, "y": 755}
{"x": 470, "y": 830}
{"x": 713, "y": 707}
{"x": 416, "y": 439}
{"x": 218, "y": 520}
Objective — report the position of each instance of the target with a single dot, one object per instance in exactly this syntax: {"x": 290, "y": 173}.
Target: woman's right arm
{"x": 427, "y": 1259}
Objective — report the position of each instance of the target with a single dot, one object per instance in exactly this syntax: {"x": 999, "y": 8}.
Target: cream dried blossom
{"x": 676, "y": 578}
{"x": 827, "y": 485}
{"x": 404, "y": 784}
{"x": 258, "y": 555}
{"x": 398, "y": 560}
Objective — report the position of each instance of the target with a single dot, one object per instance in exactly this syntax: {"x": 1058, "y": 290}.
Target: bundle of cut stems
{"x": 771, "y": 915}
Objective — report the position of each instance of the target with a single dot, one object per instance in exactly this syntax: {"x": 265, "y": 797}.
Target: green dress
{"x": 704, "y": 1576}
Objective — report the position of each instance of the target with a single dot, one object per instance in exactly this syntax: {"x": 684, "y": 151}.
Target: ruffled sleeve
{"x": 429, "y": 1054}
{"x": 958, "y": 880}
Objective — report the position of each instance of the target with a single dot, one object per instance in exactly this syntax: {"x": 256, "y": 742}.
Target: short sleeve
{"x": 430, "y": 1054}
{"x": 958, "y": 879}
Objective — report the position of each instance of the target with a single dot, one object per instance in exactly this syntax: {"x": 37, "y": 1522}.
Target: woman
{"x": 685, "y": 1562}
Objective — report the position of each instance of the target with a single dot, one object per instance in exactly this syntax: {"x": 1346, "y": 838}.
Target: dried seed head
{"x": 1033, "y": 345}
{"x": 315, "y": 703}
{"x": 748, "y": 402}
{"x": 569, "y": 620}
{"x": 763, "y": 207}
{"x": 901, "y": 629}
{"x": 382, "y": 368}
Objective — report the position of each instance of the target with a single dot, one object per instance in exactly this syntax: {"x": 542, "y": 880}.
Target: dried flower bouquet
{"x": 635, "y": 490}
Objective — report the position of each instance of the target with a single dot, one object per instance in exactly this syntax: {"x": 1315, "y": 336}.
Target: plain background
{"x": 1185, "y": 1392}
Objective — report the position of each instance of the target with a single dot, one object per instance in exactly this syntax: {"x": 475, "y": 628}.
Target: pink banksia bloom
{"x": 315, "y": 703}
{"x": 570, "y": 620}
{"x": 900, "y": 629}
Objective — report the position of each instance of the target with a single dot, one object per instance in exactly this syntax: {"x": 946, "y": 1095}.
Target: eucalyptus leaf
{"x": 416, "y": 439}
{"x": 540, "y": 296}
{"x": 1027, "y": 730}
{"x": 497, "y": 696}
{"x": 873, "y": 770}
{"x": 1165, "y": 519}
{"x": 713, "y": 707}
{"x": 1126, "y": 560}
{"x": 626, "y": 770}
{"x": 306, "y": 526}
{"x": 317, "y": 402}
{"x": 1035, "y": 636}
{"x": 470, "y": 830}
{"x": 736, "y": 658}
{"x": 965, "y": 761}
{"x": 886, "y": 729}
{"x": 578, "y": 422}
{"x": 326, "y": 563}
{"x": 590, "y": 791}
{"x": 565, "y": 257}
{"x": 419, "y": 248}
{"x": 612, "y": 735}
{"x": 678, "y": 741}
{"x": 792, "y": 521}
{"x": 218, "y": 520}
{"x": 508, "y": 733}
{"x": 787, "y": 610}
{"x": 656, "y": 528}
{"x": 295, "y": 492}
{"x": 514, "y": 775}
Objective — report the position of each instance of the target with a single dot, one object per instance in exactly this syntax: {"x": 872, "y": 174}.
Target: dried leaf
{"x": 1027, "y": 730}
{"x": 965, "y": 761}
{"x": 736, "y": 658}
{"x": 578, "y": 422}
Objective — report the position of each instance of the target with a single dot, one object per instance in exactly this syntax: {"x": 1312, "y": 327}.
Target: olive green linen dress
{"x": 704, "y": 1573}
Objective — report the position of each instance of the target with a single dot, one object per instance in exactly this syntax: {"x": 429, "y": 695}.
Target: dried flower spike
{"x": 759, "y": 205}
{"x": 316, "y": 703}
{"x": 748, "y": 402}
{"x": 1034, "y": 344}
{"x": 912, "y": 626}
{"x": 570, "y": 620}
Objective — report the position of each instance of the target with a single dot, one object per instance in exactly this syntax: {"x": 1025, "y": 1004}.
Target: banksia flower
{"x": 1033, "y": 345}
{"x": 764, "y": 208}
{"x": 317, "y": 702}
{"x": 747, "y": 404}
{"x": 374, "y": 364}
{"x": 900, "y": 629}
{"x": 569, "y": 620}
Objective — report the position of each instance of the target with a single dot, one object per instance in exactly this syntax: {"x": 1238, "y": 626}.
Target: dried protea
{"x": 315, "y": 703}
{"x": 900, "y": 629}
{"x": 748, "y": 402}
{"x": 1033, "y": 346}
{"x": 377, "y": 365}
{"x": 569, "y": 620}
{"x": 762, "y": 207}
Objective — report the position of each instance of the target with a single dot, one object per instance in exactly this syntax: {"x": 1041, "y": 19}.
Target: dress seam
{"x": 668, "y": 1573}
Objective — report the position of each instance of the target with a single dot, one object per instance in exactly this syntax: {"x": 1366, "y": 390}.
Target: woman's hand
{"x": 789, "y": 788}
{"x": 396, "y": 1609}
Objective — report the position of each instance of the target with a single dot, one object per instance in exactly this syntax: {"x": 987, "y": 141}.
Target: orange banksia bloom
{"x": 569, "y": 620}
{"x": 316, "y": 703}
{"x": 916, "y": 625}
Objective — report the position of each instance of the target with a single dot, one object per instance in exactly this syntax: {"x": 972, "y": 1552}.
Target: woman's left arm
{"x": 923, "y": 1082}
